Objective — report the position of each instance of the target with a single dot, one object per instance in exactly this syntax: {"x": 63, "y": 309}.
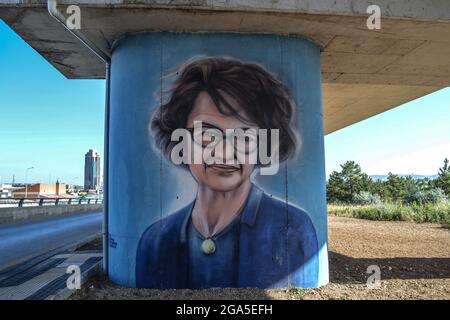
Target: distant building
{"x": 6, "y": 190}
{"x": 42, "y": 190}
{"x": 92, "y": 171}
{"x": 74, "y": 189}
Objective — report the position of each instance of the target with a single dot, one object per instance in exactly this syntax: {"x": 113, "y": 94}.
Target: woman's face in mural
{"x": 219, "y": 177}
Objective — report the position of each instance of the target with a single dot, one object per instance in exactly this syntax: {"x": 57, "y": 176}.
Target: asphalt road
{"x": 24, "y": 241}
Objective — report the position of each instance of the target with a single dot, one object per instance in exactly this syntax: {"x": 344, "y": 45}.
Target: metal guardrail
{"x": 39, "y": 202}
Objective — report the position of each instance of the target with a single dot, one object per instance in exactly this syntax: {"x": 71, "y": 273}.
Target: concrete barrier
{"x": 21, "y": 214}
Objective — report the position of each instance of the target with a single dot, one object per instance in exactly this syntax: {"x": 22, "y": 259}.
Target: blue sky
{"x": 46, "y": 120}
{"x": 50, "y": 122}
{"x": 413, "y": 138}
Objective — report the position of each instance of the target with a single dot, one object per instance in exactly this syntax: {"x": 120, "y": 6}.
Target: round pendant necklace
{"x": 208, "y": 246}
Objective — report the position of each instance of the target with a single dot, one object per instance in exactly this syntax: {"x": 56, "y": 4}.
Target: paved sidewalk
{"x": 45, "y": 277}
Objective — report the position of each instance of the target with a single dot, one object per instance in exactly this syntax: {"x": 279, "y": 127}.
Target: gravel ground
{"x": 414, "y": 260}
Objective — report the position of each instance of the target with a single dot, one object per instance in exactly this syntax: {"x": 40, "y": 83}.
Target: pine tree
{"x": 443, "y": 179}
{"x": 343, "y": 185}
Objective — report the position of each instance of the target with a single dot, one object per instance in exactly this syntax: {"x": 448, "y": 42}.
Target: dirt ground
{"x": 414, "y": 260}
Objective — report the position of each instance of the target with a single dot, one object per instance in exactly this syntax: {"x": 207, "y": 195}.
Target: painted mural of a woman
{"x": 232, "y": 234}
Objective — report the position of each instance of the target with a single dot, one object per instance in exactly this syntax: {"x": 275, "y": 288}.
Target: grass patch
{"x": 296, "y": 292}
{"x": 433, "y": 213}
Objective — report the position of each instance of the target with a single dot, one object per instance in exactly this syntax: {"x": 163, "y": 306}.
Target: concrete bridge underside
{"x": 364, "y": 72}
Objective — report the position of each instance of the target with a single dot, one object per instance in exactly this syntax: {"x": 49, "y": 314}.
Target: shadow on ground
{"x": 345, "y": 269}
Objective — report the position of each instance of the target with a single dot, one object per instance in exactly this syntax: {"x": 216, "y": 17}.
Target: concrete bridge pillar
{"x": 149, "y": 243}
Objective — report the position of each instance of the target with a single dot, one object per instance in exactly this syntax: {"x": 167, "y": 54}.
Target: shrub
{"x": 429, "y": 212}
{"x": 435, "y": 195}
{"x": 424, "y": 196}
{"x": 364, "y": 198}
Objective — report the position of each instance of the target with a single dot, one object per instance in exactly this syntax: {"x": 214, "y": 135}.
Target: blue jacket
{"x": 277, "y": 247}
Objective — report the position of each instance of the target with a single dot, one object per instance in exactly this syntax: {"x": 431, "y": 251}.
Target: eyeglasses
{"x": 244, "y": 141}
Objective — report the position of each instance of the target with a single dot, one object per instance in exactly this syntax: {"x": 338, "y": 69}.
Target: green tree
{"x": 443, "y": 179}
{"x": 397, "y": 187}
{"x": 380, "y": 187}
{"x": 349, "y": 181}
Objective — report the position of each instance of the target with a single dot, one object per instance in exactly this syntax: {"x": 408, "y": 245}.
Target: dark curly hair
{"x": 263, "y": 97}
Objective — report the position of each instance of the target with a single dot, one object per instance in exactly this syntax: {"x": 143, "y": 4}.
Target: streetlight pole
{"x": 26, "y": 182}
